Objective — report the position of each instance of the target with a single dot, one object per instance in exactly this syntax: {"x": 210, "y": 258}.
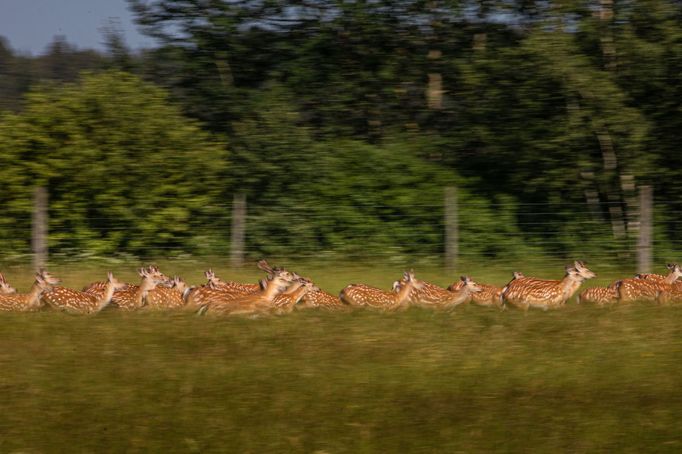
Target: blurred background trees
{"x": 343, "y": 121}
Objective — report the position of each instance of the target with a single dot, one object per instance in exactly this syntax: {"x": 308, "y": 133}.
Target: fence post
{"x": 451, "y": 228}
{"x": 39, "y": 228}
{"x": 238, "y": 230}
{"x": 644, "y": 240}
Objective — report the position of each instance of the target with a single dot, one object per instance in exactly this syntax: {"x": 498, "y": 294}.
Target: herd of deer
{"x": 282, "y": 291}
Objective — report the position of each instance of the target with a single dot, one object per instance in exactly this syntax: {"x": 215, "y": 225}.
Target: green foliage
{"x": 124, "y": 169}
{"x": 552, "y": 115}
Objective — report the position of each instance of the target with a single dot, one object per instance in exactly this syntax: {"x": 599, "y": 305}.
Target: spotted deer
{"x": 489, "y": 295}
{"x": 285, "y": 302}
{"x": 30, "y": 301}
{"x": 134, "y": 297}
{"x": 216, "y": 283}
{"x": 657, "y": 277}
{"x": 73, "y": 301}
{"x": 673, "y": 294}
{"x": 647, "y": 288}
{"x": 316, "y": 298}
{"x": 167, "y": 298}
{"x": 5, "y": 288}
{"x": 433, "y": 296}
{"x": 248, "y": 304}
{"x": 98, "y": 288}
{"x": 526, "y": 292}
{"x": 600, "y": 296}
{"x": 360, "y": 295}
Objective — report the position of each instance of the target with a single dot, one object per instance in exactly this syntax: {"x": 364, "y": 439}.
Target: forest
{"x": 343, "y": 121}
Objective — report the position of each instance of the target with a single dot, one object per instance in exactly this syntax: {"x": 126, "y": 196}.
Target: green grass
{"x": 579, "y": 379}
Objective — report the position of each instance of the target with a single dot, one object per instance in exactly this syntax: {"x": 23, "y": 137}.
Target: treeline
{"x": 343, "y": 122}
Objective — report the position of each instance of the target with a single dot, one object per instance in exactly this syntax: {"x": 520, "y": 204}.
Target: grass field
{"x": 579, "y": 379}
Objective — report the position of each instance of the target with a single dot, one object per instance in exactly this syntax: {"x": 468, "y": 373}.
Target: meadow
{"x": 475, "y": 379}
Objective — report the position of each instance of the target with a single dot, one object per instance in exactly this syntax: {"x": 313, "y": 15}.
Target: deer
{"x": 433, "y": 296}
{"x": 600, "y": 296}
{"x": 488, "y": 295}
{"x": 5, "y": 288}
{"x": 73, "y": 301}
{"x": 285, "y": 302}
{"x": 216, "y": 290}
{"x": 248, "y": 304}
{"x": 133, "y": 297}
{"x": 167, "y": 298}
{"x": 216, "y": 283}
{"x": 317, "y": 298}
{"x": 360, "y": 295}
{"x": 526, "y": 292}
{"x": 647, "y": 288}
{"x": 656, "y": 277}
{"x": 98, "y": 288}
{"x": 30, "y": 301}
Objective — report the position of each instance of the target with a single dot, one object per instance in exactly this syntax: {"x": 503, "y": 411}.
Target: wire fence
{"x": 495, "y": 234}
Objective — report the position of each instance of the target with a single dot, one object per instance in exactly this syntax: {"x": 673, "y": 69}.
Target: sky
{"x": 30, "y": 25}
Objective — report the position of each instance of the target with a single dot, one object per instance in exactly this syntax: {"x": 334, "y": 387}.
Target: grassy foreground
{"x": 579, "y": 379}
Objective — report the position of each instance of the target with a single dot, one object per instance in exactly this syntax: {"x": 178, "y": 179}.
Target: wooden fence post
{"x": 238, "y": 230}
{"x": 451, "y": 228}
{"x": 644, "y": 240}
{"x": 39, "y": 228}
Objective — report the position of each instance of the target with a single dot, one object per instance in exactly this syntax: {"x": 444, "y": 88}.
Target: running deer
{"x": 657, "y": 277}
{"x": 216, "y": 283}
{"x": 526, "y": 292}
{"x": 98, "y": 288}
{"x": 73, "y": 301}
{"x": 30, "y": 301}
{"x": 489, "y": 295}
{"x": 285, "y": 302}
{"x": 316, "y": 298}
{"x": 648, "y": 288}
{"x": 361, "y": 295}
{"x": 167, "y": 298}
{"x": 5, "y": 288}
{"x": 600, "y": 296}
{"x": 217, "y": 290}
{"x": 248, "y": 304}
{"x": 134, "y": 297}
{"x": 433, "y": 296}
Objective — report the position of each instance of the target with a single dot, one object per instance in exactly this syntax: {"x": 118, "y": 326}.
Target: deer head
{"x": 675, "y": 270}
{"x": 518, "y": 275}
{"x": 179, "y": 284}
{"x": 582, "y": 270}
{"x": 5, "y": 288}
{"x": 48, "y": 279}
{"x": 470, "y": 285}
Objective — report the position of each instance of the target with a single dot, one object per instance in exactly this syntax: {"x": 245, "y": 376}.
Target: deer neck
{"x": 108, "y": 294}
{"x": 670, "y": 278}
{"x": 570, "y": 284}
{"x": 404, "y": 293}
{"x": 271, "y": 290}
{"x": 297, "y": 294}
{"x": 33, "y": 297}
{"x": 141, "y": 294}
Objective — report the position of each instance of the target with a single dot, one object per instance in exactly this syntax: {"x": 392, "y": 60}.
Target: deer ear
{"x": 110, "y": 276}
